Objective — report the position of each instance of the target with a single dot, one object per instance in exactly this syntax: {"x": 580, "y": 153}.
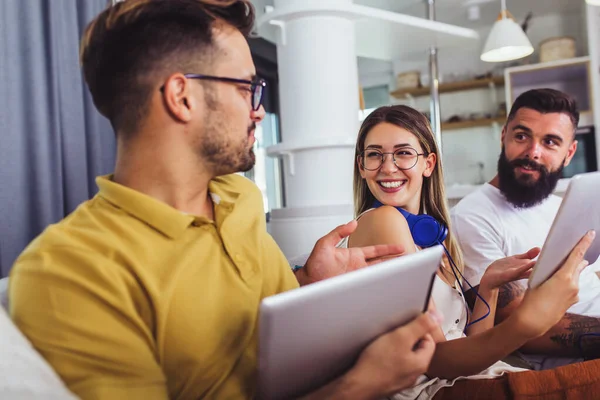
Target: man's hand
{"x": 326, "y": 261}
{"x": 395, "y": 360}
{"x": 389, "y": 364}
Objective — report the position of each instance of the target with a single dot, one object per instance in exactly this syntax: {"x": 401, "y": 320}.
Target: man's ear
{"x": 178, "y": 98}
{"x": 571, "y": 153}
{"x": 430, "y": 162}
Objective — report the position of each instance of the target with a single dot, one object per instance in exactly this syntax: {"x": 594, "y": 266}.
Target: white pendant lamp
{"x": 506, "y": 41}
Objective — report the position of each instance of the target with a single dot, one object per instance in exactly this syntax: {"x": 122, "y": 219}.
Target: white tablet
{"x": 578, "y": 213}
{"x": 311, "y": 335}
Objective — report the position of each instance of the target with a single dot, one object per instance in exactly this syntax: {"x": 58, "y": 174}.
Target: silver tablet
{"x": 311, "y": 335}
{"x": 578, "y": 213}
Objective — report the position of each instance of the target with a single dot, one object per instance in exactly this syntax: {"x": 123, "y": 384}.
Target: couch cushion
{"x": 24, "y": 374}
{"x": 4, "y": 293}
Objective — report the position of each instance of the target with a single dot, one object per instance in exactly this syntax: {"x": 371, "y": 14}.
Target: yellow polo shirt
{"x": 128, "y": 298}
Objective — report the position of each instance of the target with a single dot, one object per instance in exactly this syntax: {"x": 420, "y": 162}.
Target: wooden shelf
{"x": 450, "y": 87}
{"x": 448, "y": 126}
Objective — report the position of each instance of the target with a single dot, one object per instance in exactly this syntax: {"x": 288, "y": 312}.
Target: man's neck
{"x": 166, "y": 175}
{"x": 495, "y": 182}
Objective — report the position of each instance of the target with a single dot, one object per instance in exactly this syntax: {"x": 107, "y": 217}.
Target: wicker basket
{"x": 557, "y": 48}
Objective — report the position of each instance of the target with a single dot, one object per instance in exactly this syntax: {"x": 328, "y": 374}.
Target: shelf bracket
{"x": 282, "y": 31}
{"x": 290, "y": 160}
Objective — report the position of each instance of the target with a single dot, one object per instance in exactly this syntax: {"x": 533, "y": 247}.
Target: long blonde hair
{"x": 433, "y": 194}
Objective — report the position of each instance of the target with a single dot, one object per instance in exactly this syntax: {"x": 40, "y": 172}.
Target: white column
{"x": 318, "y": 82}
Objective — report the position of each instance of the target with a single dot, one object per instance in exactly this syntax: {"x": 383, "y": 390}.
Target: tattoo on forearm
{"x": 509, "y": 292}
{"x": 581, "y": 333}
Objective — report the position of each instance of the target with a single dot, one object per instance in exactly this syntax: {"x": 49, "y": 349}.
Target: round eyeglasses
{"x": 404, "y": 158}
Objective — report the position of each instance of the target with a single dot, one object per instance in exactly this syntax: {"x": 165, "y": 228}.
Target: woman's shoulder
{"x": 384, "y": 215}
{"x": 383, "y": 225}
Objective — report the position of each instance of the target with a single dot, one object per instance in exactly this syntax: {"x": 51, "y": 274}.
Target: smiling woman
{"x": 397, "y": 179}
{"x": 407, "y": 176}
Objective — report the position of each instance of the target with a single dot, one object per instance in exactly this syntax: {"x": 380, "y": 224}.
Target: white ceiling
{"x": 456, "y": 11}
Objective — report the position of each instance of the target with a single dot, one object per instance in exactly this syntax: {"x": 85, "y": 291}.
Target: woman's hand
{"x": 509, "y": 269}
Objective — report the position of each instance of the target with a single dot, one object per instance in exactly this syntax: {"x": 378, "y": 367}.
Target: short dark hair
{"x": 128, "y": 46}
{"x": 546, "y": 101}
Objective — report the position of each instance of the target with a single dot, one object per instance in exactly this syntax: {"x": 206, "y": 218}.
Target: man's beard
{"x": 218, "y": 145}
{"x": 226, "y": 156}
{"x": 525, "y": 191}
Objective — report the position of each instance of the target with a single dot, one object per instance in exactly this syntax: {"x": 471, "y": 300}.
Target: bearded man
{"x": 514, "y": 212}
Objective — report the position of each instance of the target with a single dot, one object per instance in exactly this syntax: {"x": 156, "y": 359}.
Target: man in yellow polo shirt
{"x": 151, "y": 289}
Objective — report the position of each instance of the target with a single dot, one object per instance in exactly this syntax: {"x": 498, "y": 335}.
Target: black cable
{"x": 454, "y": 271}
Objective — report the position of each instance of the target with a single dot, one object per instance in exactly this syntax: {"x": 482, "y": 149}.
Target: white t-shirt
{"x": 489, "y": 228}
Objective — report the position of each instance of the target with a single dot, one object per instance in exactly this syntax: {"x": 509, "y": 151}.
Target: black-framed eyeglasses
{"x": 404, "y": 158}
{"x": 257, "y": 86}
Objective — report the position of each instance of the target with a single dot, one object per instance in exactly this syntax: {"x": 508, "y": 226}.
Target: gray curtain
{"x": 53, "y": 142}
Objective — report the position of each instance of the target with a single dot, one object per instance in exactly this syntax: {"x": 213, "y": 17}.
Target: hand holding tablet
{"x": 312, "y": 335}
{"x": 578, "y": 214}
{"x": 545, "y": 305}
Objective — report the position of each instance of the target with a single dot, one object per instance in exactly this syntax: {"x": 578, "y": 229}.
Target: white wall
{"x": 375, "y": 72}
{"x": 469, "y": 155}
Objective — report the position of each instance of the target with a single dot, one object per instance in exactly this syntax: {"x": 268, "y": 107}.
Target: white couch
{"x": 4, "y": 293}
{"x": 24, "y": 374}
